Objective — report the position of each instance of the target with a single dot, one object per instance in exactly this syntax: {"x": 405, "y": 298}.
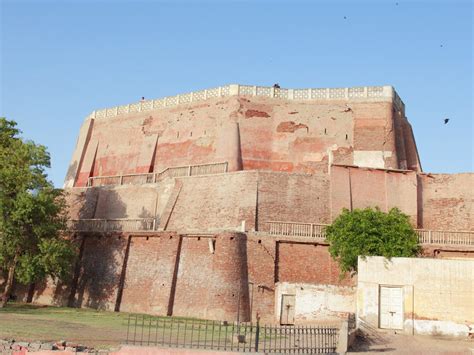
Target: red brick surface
{"x": 360, "y": 188}
{"x": 149, "y": 274}
{"x": 271, "y": 134}
{"x": 448, "y": 201}
{"x": 261, "y": 259}
{"x": 293, "y": 197}
{"x": 308, "y": 263}
{"x": 215, "y": 202}
{"x": 100, "y": 271}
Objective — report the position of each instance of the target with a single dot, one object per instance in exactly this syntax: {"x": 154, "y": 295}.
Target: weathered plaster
{"x": 316, "y": 302}
{"x": 438, "y": 294}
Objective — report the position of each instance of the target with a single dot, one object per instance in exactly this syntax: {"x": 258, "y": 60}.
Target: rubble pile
{"x": 12, "y": 345}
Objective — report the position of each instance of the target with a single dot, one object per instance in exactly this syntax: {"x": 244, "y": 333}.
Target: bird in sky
{"x": 446, "y": 120}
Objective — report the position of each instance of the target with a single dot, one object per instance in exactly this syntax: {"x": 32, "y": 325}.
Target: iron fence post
{"x": 149, "y": 331}
{"x": 143, "y": 326}
{"x": 128, "y": 328}
{"x": 135, "y": 331}
{"x": 257, "y": 334}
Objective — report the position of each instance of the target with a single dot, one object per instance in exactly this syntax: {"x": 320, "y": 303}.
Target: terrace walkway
{"x": 273, "y": 228}
{"x": 150, "y": 178}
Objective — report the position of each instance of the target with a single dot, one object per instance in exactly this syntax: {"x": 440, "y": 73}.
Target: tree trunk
{"x": 31, "y": 293}
{"x": 8, "y": 287}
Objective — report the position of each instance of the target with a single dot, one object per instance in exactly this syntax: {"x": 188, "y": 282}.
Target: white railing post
{"x": 429, "y": 236}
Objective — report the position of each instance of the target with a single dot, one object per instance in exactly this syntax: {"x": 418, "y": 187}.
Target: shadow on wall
{"x": 145, "y": 214}
{"x": 97, "y": 273}
{"x": 71, "y": 173}
{"x": 56, "y": 291}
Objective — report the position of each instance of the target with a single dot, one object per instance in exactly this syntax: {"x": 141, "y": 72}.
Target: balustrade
{"x": 147, "y": 178}
{"x": 290, "y": 229}
{"x": 113, "y": 225}
{"x": 312, "y": 230}
{"x": 353, "y": 93}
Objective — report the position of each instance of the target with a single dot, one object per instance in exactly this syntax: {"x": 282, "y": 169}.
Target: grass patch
{"x": 90, "y": 327}
{"x": 105, "y": 329}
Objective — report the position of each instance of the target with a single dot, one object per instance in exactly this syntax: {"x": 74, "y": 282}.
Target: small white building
{"x": 416, "y": 295}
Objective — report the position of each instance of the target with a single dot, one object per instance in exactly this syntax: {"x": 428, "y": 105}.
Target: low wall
{"x": 436, "y": 295}
{"x": 315, "y": 303}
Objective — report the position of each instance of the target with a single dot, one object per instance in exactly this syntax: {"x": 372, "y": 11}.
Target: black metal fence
{"x": 245, "y": 337}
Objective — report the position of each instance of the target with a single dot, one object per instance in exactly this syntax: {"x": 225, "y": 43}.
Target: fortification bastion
{"x": 213, "y": 204}
{"x": 250, "y": 127}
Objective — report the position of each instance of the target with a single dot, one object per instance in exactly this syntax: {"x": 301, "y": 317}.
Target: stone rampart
{"x": 250, "y": 128}
{"x": 206, "y": 275}
{"x": 210, "y": 203}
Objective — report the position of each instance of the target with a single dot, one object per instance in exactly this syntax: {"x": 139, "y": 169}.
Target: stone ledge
{"x": 362, "y": 93}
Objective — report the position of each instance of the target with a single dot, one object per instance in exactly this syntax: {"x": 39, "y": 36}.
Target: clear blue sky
{"x": 60, "y": 60}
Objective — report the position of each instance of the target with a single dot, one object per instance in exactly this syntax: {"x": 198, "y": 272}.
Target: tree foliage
{"x": 32, "y": 213}
{"x": 367, "y": 232}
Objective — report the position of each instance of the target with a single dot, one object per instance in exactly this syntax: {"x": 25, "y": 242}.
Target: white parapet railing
{"x": 310, "y": 230}
{"x": 465, "y": 238}
{"x": 113, "y": 225}
{"x": 147, "y": 178}
{"x": 352, "y": 93}
{"x": 276, "y": 228}
{"x": 313, "y": 230}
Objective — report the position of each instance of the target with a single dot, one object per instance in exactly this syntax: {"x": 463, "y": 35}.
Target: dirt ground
{"x": 392, "y": 343}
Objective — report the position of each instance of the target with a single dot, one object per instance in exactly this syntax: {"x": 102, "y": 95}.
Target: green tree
{"x": 33, "y": 214}
{"x": 368, "y": 232}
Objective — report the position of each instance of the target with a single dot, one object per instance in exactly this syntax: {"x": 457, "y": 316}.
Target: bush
{"x": 366, "y": 232}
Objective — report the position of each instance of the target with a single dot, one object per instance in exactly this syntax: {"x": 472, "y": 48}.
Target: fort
{"x": 213, "y": 204}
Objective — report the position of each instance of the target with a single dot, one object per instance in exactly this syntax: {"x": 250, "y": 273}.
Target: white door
{"x": 391, "y": 307}
{"x": 287, "y": 315}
